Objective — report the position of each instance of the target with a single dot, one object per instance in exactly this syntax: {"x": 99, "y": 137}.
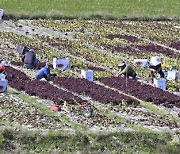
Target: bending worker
{"x": 126, "y": 70}
{"x": 29, "y": 59}
{"x": 44, "y": 72}
{"x": 155, "y": 66}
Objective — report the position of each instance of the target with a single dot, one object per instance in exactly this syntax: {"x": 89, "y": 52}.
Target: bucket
{"x": 55, "y": 108}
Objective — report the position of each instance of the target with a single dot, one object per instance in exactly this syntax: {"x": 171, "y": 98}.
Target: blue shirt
{"x": 43, "y": 73}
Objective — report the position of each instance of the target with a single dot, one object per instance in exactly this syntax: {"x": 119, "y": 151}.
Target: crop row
{"x": 121, "y": 43}
{"x": 78, "y": 49}
{"x": 48, "y": 53}
{"x": 42, "y": 89}
{"x": 81, "y": 86}
{"x": 142, "y": 91}
{"x": 97, "y": 92}
{"x": 101, "y": 29}
{"x": 161, "y": 33}
{"x": 79, "y": 66}
{"x": 160, "y": 121}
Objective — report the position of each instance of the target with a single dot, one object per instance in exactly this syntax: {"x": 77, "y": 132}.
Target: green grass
{"x": 91, "y": 8}
{"x": 59, "y": 142}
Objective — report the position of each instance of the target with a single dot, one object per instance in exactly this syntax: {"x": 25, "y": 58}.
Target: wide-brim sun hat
{"x": 4, "y": 63}
{"x": 121, "y": 64}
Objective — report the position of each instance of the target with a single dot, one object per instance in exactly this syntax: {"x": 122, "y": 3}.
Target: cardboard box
{"x": 173, "y": 75}
{"x": 87, "y": 74}
{"x": 1, "y": 13}
{"x": 3, "y": 85}
{"x": 160, "y": 83}
{"x": 61, "y": 63}
{"x": 140, "y": 62}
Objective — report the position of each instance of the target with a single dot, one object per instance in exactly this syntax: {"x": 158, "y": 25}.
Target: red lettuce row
{"x": 126, "y": 37}
{"x": 142, "y": 91}
{"x": 175, "y": 44}
{"x": 95, "y": 91}
{"x": 38, "y": 88}
{"x": 158, "y": 49}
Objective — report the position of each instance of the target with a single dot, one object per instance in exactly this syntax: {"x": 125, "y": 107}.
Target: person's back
{"x": 29, "y": 58}
{"x": 43, "y": 73}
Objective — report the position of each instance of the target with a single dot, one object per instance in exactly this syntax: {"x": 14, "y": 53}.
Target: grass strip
{"x": 107, "y": 9}
{"x": 58, "y": 142}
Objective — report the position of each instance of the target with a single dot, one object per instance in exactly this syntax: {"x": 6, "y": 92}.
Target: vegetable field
{"x": 118, "y": 104}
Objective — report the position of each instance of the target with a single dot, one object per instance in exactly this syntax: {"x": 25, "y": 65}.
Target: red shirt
{"x": 2, "y": 69}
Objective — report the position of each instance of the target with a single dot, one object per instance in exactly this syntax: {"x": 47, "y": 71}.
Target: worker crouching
{"x": 29, "y": 59}
{"x": 155, "y": 66}
{"x": 126, "y": 70}
{"x": 44, "y": 72}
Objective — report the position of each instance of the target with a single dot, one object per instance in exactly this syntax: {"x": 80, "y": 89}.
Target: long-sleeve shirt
{"x": 29, "y": 58}
{"x": 128, "y": 69}
{"x": 43, "y": 73}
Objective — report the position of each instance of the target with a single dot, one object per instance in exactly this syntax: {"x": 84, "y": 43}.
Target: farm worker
{"x": 3, "y": 72}
{"x": 29, "y": 59}
{"x": 126, "y": 70}
{"x": 155, "y": 66}
{"x": 44, "y": 72}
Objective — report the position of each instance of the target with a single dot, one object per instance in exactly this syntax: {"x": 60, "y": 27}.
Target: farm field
{"x": 128, "y": 110}
{"x": 107, "y": 9}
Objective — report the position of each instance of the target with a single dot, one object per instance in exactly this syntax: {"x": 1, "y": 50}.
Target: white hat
{"x": 4, "y": 63}
{"x": 121, "y": 64}
{"x": 156, "y": 60}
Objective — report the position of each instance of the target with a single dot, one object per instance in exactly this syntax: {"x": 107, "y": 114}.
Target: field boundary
{"x": 9, "y": 16}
